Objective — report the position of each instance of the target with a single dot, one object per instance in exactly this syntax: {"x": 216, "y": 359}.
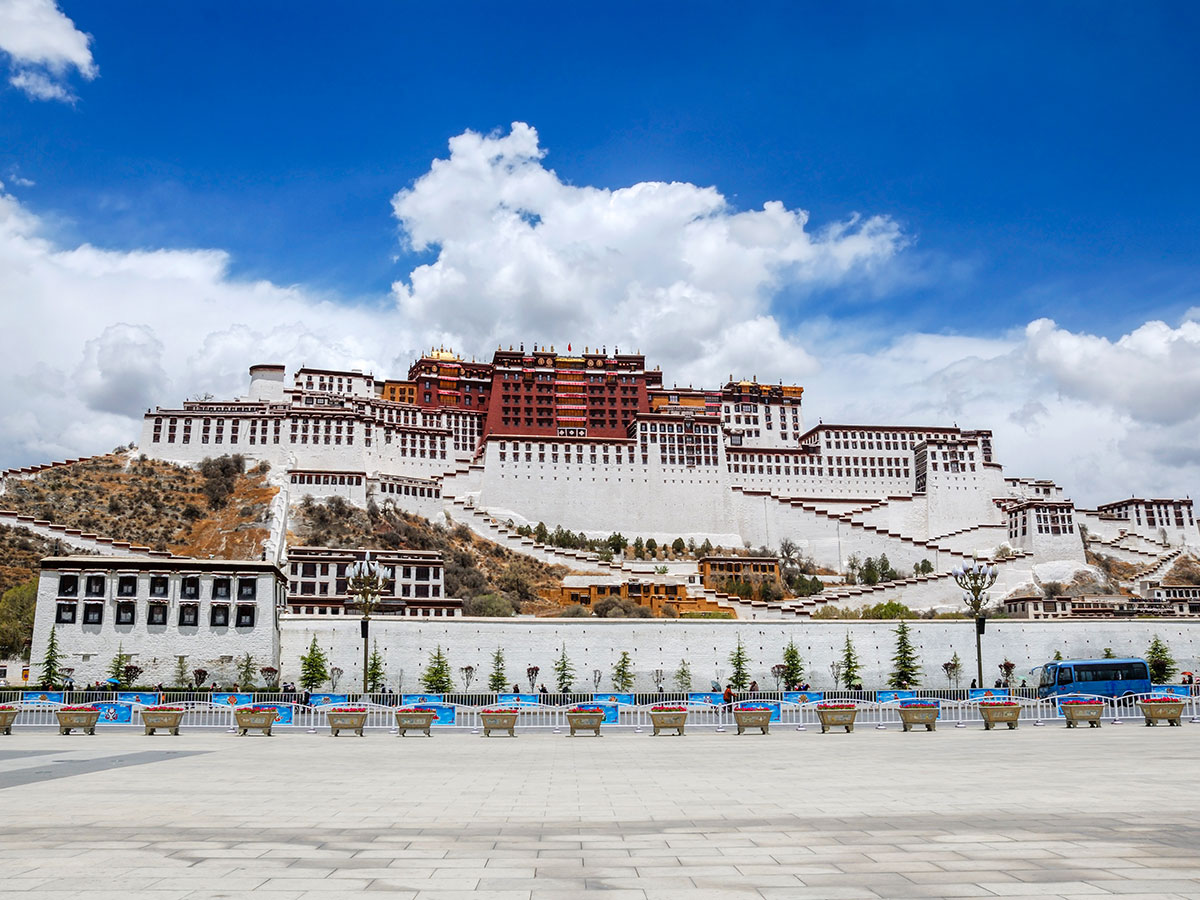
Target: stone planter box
{"x": 414, "y": 721}
{"x": 249, "y": 720}
{"x": 666, "y": 720}
{"x": 7, "y": 717}
{"x": 505, "y": 721}
{"x": 1075, "y": 713}
{"x": 752, "y": 718}
{"x": 82, "y": 719}
{"x": 919, "y": 715}
{"x": 346, "y": 721}
{"x": 1164, "y": 712}
{"x": 835, "y": 718}
{"x": 1000, "y": 715}
{"x": 585, "y": 721}
{"x": 168, "y": 720}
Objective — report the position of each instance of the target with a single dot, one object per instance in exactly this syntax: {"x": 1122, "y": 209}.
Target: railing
{"x": 204, "y": 714}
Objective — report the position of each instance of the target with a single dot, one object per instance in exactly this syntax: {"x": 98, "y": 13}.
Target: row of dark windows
{"x": 126, "y": 614}
{"x": 127, "y": 586}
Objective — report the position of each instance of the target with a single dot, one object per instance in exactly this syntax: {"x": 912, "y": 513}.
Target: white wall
{"x": 407, "y": 643}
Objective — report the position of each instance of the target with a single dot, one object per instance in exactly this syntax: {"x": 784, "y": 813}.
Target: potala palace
{"x": 594, "y": 442}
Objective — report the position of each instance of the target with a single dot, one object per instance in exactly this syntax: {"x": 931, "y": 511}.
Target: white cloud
{"x": 520, "y": 255}
{"x": 44, "y": 45}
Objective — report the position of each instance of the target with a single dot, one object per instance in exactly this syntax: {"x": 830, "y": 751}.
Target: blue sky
{"x": 1009, "y": 164}
{"x": 1045, "y": 155}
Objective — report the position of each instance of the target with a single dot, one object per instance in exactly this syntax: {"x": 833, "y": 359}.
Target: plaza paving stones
{"x": 1037, "y": 812}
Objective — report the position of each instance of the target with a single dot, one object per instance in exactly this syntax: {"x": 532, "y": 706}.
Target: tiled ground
{"x": 1039, "y": 812}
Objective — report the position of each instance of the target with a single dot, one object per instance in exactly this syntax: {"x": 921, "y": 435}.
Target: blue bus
{"x": 1096, "y": 677}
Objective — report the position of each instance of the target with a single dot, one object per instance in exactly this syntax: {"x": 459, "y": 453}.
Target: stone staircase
{"x": 78, "y": 539}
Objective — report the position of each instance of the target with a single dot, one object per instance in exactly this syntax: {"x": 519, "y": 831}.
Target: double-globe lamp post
{"x": 975, "y": 580}
{"x": 365, "y": 582}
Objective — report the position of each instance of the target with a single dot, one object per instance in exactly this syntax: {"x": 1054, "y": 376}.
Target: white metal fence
{"x": 550, "y": 712}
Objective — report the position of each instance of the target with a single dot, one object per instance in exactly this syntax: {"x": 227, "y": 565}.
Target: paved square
{"x": 1037, "y": 812}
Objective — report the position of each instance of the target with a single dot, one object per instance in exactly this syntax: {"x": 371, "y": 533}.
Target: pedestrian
{"x": 727, "y": 697}
{"x": 542, "y": 689}
{"x": 754, "y": 687}
{"x": 516, "y": 689}
{"x": 973, "y": 684}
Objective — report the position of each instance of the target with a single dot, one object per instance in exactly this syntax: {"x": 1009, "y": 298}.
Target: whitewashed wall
{"x": 407, "y": 643}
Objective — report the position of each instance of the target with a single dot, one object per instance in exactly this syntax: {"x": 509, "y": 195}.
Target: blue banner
{"x": 327, "y": 699}
{"x": 707, "y": 698}
{"x": 987, "y": 693}
{"x": 114, "y": 713}
{"x": 419, "y": 699}
{"x": 891, "y": 696}
{"x": 229, "y": 699}
{"x": 610, "y": 710}
{"x": 519, "y": 699}
{"x": 801, "y": 697}
{"x": 145, "y": 698}
{"x": 42, "y": 697}
{"x": 283, "y": 712}
{"x": 445, "y": 713}
{"x": 622, "y": 699}
{"x": 1176, "y": 690}
{"x": 772, "y": 705}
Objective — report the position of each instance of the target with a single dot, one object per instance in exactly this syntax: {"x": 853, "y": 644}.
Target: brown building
{"x": 588, "y": 590}
{"x": 718, "y": 571}
{"x": 413, "y": 585}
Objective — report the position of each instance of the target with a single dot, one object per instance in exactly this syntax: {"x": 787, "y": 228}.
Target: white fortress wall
{"x": 661, "y": 644}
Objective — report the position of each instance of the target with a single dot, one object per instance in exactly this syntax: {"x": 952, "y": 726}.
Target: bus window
{"x": 1065, "y": 675}
{"x": 1048, "y": 675}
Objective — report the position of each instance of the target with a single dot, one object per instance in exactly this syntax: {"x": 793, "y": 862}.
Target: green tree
{"x": 541, "y": 534}
{"x": 652, "y": 548}
{"x": 116, "y": 668}
{"x": 639, "y": 548}
{"x": 891, "y": 609}
{"x": 1058, "y": 656}
{"x": 740, "y": 661}
{"x": 906, "y": 667}
{"x": 437, "y": 676}
{"x": 870, "y": 572}
{"x": 850, "y": 666}
{"x": 314, "y": 670}
{"x": 617, "y": 543}
{"x": 678, "y": 546}
{"x": 16, "y": 620}
{"x": 246, "y": 667}
{"x": 683, "y": 676}
{"x": 497, "y": 680}
{"x": 705, "y": 548}
{"x": 182, "y": 677}
{"x": 622, "y": 676}
{"x": 793, "y": 666}
{"x": 1108, "y": 653}
{"x": 376, "y": 673}
{"x": 1161, "y": 662}
{"x": 52, "y": 661}
{"x": 564, "y": 672}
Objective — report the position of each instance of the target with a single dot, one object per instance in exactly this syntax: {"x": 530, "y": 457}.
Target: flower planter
{"x": 752, "y": 718}
{"x": 668, "y": 718}
{"x": 346, "y": 719}
{"x": 1169, "y": 711}
{"x": 8, "y": 715}
{"x": 1075, "y": 713}
{"x": 585, "y": 720}
{"x": 254, "y": 720}
{"x": 999, "y": 714}
{"x": 837, "y": 716}
{"x": 82, "y": 719}
{"x": 500, "y": 720}
{"x": 167, "y": 719}
{"x": 415, "y": 719}
{"x": 919, "y": 715}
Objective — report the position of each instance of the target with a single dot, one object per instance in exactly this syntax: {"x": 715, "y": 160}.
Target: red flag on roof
{"x": 568, "y": 348}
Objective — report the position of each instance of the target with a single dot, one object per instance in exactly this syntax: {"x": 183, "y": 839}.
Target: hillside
{"x": 491, "y": 579}
{"x": 212, "y": 510}
{"x": 20, "y": 551}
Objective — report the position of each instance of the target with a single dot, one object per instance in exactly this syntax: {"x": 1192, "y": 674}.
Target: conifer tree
{"x": 564, "y": 672}
{"x": 437, "y": 678}
{"x": 1161, "y": 662}
{"x": 740, "y": 661}
{"x": 793, "y": 665}
{"x": 622, "y": 676}
{"x": 376, "y": 674}
{"x": 246, "y": 668}
{"x": 181, "y": 672}
{"x": 52, "y": 661}
{"x": 906, "y": 667}
{"x": 116, "y": 668}
{"x": 850, "y": 666}
{"x": 314, "y": 670}
{"x": 497, "y": 680}
{"x": 683, "y": 676}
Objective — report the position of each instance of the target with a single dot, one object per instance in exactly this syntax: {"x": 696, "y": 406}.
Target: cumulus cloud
{"x": 43, "y": 46}
{"x": 519, "y": 254}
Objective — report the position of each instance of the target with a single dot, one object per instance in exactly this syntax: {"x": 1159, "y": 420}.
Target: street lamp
{"x": 975, "y": 581}
{"x": 364, "y": 584}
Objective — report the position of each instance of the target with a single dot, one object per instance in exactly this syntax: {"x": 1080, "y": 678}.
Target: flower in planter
{"x": 1167, "y": 699}
{"x": 348, "y": 709}
{"x": 1080, "y": 702}
{"x": 421, "y": 709}
{"x": 7, "y": 708}
{"x": 837, "y": 706}
{"x": 668, "y": 709}
{"x": 501, "y": 712}
{"x": 919, "y": 704}
{"x": 78, "y": 709}
{"x": 164, "y": 709}
{"x": 998, "y": 703}
{"x": 585, "y": 709}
